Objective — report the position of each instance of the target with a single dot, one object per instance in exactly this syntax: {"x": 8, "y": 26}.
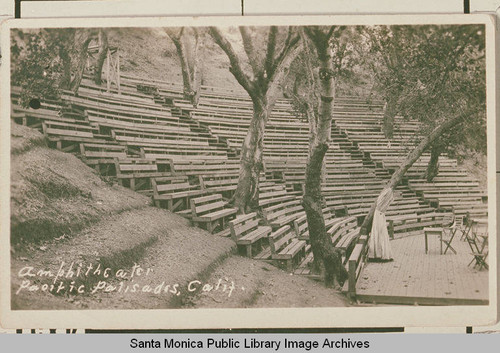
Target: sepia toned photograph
{"x": 312, "y": 163}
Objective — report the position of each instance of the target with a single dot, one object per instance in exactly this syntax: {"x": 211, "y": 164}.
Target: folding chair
{"x": 450, "y": 232}
{"x": 479, "y": 254}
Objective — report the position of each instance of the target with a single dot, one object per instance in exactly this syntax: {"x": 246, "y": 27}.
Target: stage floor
{"x": 415, "y": 277}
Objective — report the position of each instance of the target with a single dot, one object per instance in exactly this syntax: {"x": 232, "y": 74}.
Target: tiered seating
{"x": 343, "y": 231}
{"x": 174, "y": 192}
{"x": 286, "y": 249}
{"x": 210, "y": 213}
{"x": 136, "y": 173}
{"x": 247, "y": 233}
{"x": 104, "y": 153}
{"x": 154, "y": 141}
{"x": 362, "y": 124}
{"x": 302, "y": 229}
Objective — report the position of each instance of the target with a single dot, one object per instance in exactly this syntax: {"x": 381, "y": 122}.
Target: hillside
{"x": 162, "y": 62}
{"x": 64, "y": 215}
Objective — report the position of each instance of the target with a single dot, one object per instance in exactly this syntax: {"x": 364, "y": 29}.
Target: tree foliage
{"x": 46, "y": 61}
{"x": 432, "y": 73}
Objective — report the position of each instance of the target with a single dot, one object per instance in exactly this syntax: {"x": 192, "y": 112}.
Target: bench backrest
{"x": 128, "y": 166}
{"x": 280, "y": 239}
{"x": 300, "y": 224}
{"x": 218, "y": 179}
{"x": 341, "y": 228}
{"x": 166, "y": 185}
{"x": 243, "y": 224}
{"x": 206, "y": 204}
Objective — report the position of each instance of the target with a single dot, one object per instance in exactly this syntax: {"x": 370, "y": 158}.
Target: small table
{"x": 433, "y": 231}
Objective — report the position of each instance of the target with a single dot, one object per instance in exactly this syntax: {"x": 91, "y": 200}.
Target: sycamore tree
{"x": 319, "y": 43}
{"x": 445, "y": 89}
{"x": 46, "y": 61}
{"x": 187, "y": 42}
{"x": 260, "y": 67}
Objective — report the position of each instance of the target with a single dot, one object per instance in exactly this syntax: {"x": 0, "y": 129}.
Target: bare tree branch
{"x": 281, "y": 65}
{"x": 289, "y": 42}
{"x": 236, "y": 68}
{"x": 253, "y": 58}
{"x": 271, "y": 48}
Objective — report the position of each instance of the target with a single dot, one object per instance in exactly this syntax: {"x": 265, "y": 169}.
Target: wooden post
{"x": 352, "y": 278}
{"x": 390, "y": 228}
{"x": 118, "y": 70}
{"x": 108, "y": 74}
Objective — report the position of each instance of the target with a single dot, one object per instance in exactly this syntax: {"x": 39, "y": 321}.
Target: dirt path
{"x": 259, "y": 284}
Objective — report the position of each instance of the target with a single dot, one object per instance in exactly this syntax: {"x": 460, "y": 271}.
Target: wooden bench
{"x": 343, "y": 232}
{"x": 302, "y": 228}
{"x": 95, "y": 154}
{"x": 224, "y": 183}
{"x": 174, "y": 192}
{"x": 136, "y": 173}
{"x": 71, "y": 132}
{"x": 247, "y": 234}
{"x": 206, "y": 167}
{"x": 210, "y": 212}
{"x": 286, "y": 249}
{"x": 283, "y": 213}
{"x": 274, "y": 195}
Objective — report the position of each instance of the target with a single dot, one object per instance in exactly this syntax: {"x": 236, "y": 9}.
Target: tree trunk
{"x": 80, "y": 64}
{"x": 389, "y": 115}
{"x": 189, "y": 65}
{"x": 246, "y": 197}
{"x": 411, "y": 158}
{"x": 433, "y": 166}
{"x": 321, "y": 244}
{"x": 320, "y": 130}
{"x": 101, "y": 56}
{"x": 65, "y": 82}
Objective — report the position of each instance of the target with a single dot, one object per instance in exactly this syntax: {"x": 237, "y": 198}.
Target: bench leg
{"x": 289, "y": 265}
{"x": 249, "y": 250}
{"x": 176, "y": 205}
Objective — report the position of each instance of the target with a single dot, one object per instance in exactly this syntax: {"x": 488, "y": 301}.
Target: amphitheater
{"x": 148, "y": 138}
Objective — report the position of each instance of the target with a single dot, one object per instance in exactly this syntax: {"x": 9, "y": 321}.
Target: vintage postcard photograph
{"x": 248, "y": 172}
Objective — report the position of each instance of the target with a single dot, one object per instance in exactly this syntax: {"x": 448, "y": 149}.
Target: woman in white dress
{"x": 379, "y": 247}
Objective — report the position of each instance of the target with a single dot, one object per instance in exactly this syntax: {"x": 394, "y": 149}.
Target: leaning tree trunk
{"x": 411, "y": 158}
{"x": 101, "y": 56}
{"x": 321, "y": 244}
{"x": 433, "y": 166}
{"x": 80, "y": 64}
{"x": 246, "y": 197}
{"x": 389, "y": 115}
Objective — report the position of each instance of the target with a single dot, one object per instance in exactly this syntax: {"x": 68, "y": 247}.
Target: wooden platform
{"x": 416, "y": 278}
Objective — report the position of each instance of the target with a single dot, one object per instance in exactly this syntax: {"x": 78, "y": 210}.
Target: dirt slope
{"x": 80, "y": 242}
